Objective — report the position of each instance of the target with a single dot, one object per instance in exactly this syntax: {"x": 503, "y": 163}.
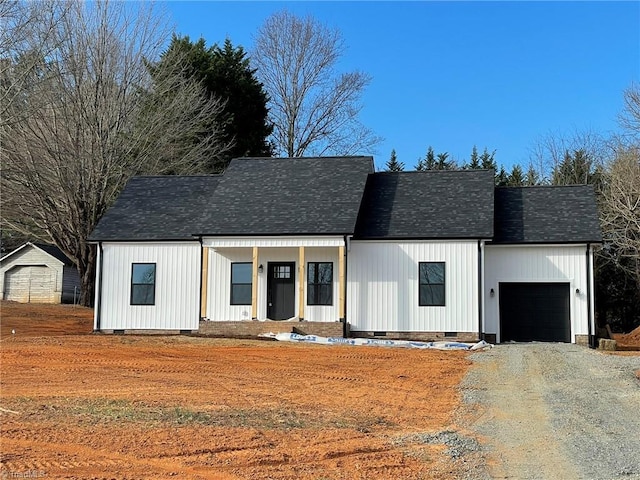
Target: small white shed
{"x": 38, "y": 274}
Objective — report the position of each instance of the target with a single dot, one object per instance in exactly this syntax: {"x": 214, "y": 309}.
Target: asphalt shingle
{"x": 429, "y": 205}
{"x": 157, "y": 208}
{"x": 546, "y": 214}
{"x": 288, "y": 196}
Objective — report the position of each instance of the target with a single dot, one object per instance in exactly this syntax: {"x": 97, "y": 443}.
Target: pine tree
{"x": 487, "y": 160}
{"x": 516, "y": 177}
{"x": 430, "y": 159}
{"x": 442, "y": 162}
{"x": 474, "y": 161}
{"x": 532, "y": 177}
{"x": 502, "y": 179}
{"x": 393, "y": 165}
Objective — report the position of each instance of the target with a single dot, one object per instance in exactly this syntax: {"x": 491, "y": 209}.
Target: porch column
{"x": 302, "y": 279}
{"x": 205, "y": 282}
{"x": 341, "y": 285}
{"x": 254, "y": 285}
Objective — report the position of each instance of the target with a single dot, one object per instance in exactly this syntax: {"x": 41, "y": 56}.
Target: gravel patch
{"x": 546, "y": 410}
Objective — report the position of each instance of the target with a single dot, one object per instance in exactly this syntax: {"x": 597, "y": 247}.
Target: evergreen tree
{"x": 575, "y": 169}
{"x": 474, "y": 161}
{"x": 502, "y": 179}
{"x": 487, "y": 160}
{"x": 393, "y": 165}
{"x": 516, "y": 177}
{"x": 430, "y": 159}
{"x": 532, "y": 177}
{"x": 442, "y": 163}
{"x": 225, "y": 73}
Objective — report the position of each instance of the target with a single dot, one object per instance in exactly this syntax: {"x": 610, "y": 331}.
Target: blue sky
{"x": 457, "y": 74}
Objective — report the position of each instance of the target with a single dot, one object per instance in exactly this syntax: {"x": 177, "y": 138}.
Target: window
{"x": 143, "y": 284}
{"x": 241, "y": 274}
{"x": 282, "y": 271}
{"x": 319, "y": 283}
{"x": 432, "y": 292}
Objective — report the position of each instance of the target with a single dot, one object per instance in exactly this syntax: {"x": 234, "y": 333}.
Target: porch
{"x": 299, "y": 279}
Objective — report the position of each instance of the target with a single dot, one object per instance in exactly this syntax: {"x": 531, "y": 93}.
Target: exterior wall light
{"x": 492, "y": 292}
{"x": 260, "y": 269}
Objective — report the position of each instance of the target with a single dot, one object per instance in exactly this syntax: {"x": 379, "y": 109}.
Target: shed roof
{"x": 546, "y": 214}
{"x": 430, "y": 205}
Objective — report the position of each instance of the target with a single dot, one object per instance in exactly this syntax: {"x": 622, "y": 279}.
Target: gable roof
{"x": 288, "y": 196}
{"x": 157, "y": 208}
{"x": 546, "y": 214}
{"x": 50, "y": 250}
{"x": 430, "y": 205}
{"x": 255, "y": 196}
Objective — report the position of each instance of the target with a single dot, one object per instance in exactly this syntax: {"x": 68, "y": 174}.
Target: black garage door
{"x": 535, "y": 312}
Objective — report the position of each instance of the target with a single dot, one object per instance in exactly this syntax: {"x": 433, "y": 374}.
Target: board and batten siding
{"x": 177, "y": 292}
{"x": 31, "y": 275}
{"x": 219, "y": 306}
{"x": 536, "y": 264}
{"x": 383, "y": 286}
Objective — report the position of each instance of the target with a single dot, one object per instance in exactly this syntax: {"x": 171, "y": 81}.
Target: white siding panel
{"x": 523, "y": 264}
{"x": 219, "y": 306}
{"x": 382, "y": 287}
{"x": 248, "y": 242}
{"x": 177, "y": 296}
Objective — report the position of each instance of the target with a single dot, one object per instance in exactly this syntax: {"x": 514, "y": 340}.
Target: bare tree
{"x": 94, "y": 120}
{"x": 620, "y": 207}
{"x": 569, "y": 158}
{"x": 630, "y": 116}
{"x": 313, "y": 108}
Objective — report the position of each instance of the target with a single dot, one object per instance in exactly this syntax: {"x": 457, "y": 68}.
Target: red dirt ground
{"x": 630, "y": 339}
{"x": 92, "y": 406}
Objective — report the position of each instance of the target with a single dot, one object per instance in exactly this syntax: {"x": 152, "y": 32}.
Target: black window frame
{"x": 315, "y": 288}
{"x": 232, "y": 300}
{"x": 442, "y": 284}
{"x": 145, "y": 284}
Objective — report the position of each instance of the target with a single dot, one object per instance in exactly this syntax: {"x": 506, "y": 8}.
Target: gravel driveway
{"x": 552, "y": 411}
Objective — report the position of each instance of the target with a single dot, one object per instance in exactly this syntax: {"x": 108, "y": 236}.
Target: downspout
{"x": 347, "y": 246}
{"x": 99, "y": 288}
{"x": 200, "y": 288}
{"x": 591, "y": 337}
{"x": 480, "y": 290}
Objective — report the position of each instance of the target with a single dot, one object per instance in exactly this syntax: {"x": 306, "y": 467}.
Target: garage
{"x": 33, "y": 283}
{"x": 535, "y": 312}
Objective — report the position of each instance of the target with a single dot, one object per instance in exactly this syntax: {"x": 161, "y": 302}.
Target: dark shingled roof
{"x": 288, "y": 196}
{"x": 157, "y": 208}
{"x": 549, "y": 214}
{"x": 255, "y": 196}
{"x": 55, "y": 252}
{"x": 433, "y": 204}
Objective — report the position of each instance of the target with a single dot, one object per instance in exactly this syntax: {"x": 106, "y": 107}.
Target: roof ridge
{"x": 545, "y": 186}
{"x": 475, "y": 170}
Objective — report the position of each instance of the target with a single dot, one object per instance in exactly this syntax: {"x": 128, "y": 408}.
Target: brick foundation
{"x": 471, "y": 337}
{"x": 248, "y": 329}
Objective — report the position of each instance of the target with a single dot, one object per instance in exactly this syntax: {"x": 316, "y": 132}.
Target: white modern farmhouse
{"x": 336, "y": 248}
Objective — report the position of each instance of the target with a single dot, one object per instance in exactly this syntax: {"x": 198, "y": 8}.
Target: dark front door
{"x": 535, "y": 312}
{"x": 281, "y": 292}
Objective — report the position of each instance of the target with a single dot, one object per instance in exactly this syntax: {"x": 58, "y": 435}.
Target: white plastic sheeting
{"x": 294, "y": 337}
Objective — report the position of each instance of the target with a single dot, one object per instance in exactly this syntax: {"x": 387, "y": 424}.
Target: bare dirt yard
{"x": 79, "y": 405}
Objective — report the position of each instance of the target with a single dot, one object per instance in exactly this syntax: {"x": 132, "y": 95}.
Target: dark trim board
{"x": 535, "y": 312}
